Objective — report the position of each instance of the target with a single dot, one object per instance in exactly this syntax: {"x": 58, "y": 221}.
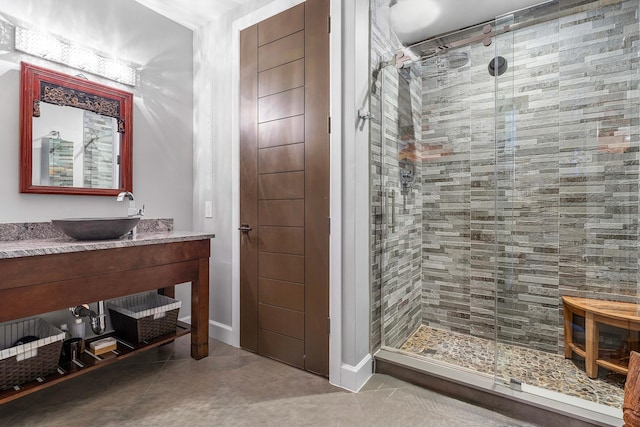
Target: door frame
{"x": 335, "y": 138}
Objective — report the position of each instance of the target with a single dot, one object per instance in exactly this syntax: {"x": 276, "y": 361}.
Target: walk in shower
{"x": 504, "y": 176}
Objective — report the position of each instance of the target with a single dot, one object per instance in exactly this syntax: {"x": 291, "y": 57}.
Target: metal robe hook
{"x": 364, "y": 114}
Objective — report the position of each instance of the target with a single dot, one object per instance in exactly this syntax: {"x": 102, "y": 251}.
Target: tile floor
{"x": 165, "y": 387}
{"x": 537, "y": 368}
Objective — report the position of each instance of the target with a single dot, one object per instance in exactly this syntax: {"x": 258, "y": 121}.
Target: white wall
{"x": 163, "y": 131}
{"x": 216, "y": 165}
{"x": 356, "y": 304}
{"x": 162, "y": 116}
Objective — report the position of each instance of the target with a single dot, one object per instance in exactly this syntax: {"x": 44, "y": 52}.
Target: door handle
{"x": 245, "y": 228}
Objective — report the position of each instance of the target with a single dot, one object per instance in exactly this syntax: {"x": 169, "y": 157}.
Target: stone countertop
{"x": 36, "y": 247}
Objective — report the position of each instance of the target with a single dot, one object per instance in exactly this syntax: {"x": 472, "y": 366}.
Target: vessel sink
{"x": 96, "y": 228}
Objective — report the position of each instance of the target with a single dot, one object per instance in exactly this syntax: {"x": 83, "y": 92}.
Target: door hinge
{"x": 329, "y": 24}
{"x": 328, "y": 325}
{"x": 329, "y": 224}
{"x": 328, "y": 124}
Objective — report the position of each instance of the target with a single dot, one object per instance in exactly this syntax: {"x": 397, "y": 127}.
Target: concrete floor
{"x": 232, "y": 387}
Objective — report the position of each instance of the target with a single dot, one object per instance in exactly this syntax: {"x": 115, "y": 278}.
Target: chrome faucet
{"x": 127, "y": 194}
{"x": 132, "y": 211}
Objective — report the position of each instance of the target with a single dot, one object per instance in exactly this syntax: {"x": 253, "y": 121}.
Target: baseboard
{"x": 218, "y": 331}
{"x": 352, "y": 378}
{"x": 221, "y": 332}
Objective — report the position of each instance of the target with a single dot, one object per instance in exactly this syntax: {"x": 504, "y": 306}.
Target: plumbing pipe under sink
{"x": 97, "y": 320}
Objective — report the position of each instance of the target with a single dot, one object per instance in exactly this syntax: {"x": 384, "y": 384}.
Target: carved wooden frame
{"x": 43, "y": 85}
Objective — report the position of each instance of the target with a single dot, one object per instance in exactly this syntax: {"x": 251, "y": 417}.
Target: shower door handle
{"x": 391, "y": 222}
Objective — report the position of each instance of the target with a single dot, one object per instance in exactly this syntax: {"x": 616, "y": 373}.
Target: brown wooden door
{"x": 284, "y": 187}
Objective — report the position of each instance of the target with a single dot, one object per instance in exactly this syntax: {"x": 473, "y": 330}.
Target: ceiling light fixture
{"x": 56, "y": 50}
{"x": 410, "y": 17}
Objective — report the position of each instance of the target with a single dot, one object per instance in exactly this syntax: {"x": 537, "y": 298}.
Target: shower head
{"x": 431, "y": 64}
{"x": 456, "y": 60}
{"x": 446, "y": 61}
{"x": 442, "y": 63}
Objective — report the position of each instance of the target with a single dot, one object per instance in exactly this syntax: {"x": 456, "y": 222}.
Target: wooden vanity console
{"x": 34, "y": 284}
{"x": 595, "y": 312}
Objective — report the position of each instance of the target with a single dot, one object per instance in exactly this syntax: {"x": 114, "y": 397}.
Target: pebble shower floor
{"x": 533, "y": 367}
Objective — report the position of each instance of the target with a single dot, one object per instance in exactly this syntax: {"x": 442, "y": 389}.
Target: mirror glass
{"x": 76, "y": 135}
{"x": 74, "y": 148}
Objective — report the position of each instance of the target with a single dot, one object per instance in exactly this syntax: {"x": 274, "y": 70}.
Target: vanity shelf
{"x": 57, "y": 275}
{"x": 70, "y": 370}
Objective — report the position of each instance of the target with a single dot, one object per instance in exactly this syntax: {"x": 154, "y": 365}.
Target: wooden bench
{"x": 622, "y": 315}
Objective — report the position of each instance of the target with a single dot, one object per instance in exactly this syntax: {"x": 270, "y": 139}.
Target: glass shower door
{"x": 567, "y": 185}
{"x": 398, "y": 211}
{"x": 510, "y": 318}
{"x": 433, "y": 148}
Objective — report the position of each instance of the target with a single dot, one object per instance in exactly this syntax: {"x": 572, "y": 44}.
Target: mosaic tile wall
{"x": 567, "y": 187}
{"x": 458, "y": 170}
{"x": 563, "y": 124}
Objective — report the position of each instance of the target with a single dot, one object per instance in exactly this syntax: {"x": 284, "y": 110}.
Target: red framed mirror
{"x": 75, "y": 135}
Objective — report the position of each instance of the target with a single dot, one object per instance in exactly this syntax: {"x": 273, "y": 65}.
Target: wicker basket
{"x": 26, "y": 362}
{"x": 141, "y": 318}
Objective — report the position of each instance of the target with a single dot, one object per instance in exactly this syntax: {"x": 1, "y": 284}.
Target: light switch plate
{"x": 208, "y": 209}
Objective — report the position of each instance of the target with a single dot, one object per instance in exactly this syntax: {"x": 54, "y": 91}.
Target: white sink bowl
{"x": 96, "y": 228}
